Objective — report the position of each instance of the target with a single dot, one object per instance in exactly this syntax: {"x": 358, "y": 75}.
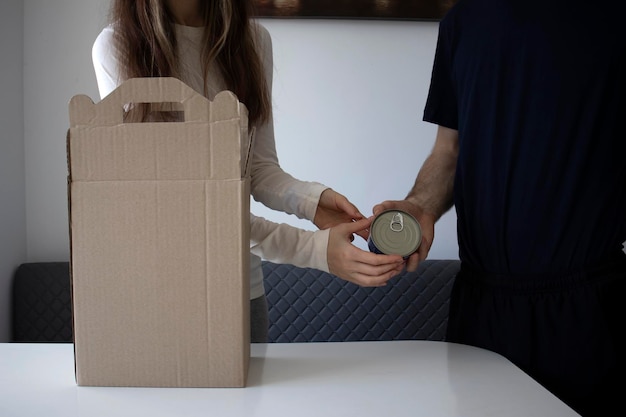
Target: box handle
{"x": 111, "y": 110}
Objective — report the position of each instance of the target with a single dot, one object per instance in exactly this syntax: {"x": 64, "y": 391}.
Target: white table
{"x": 382, "y": 379}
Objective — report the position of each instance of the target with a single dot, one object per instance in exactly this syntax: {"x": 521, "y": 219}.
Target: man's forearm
{"x": 434, "y": 185}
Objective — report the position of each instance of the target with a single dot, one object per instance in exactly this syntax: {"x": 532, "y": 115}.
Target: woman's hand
{"x": 334, "y": 209}
{"x": 356, "y": 265}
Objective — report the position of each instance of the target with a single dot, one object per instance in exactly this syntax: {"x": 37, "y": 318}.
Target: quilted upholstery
{"x": 41, "y": 303}
{"x": 304, "y": 304}
{"x": 307, "y": 305}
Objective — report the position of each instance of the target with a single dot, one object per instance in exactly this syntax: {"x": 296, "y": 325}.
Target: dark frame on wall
{"x": 353, "y": 9}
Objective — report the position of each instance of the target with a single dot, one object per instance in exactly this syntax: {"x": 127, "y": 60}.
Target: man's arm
{"x": 432, "y": 193}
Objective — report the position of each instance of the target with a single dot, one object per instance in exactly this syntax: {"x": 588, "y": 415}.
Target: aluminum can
{"x": 395, "y": 232}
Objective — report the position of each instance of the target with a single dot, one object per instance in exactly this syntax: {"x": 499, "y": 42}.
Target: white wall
{"x": 57, "y": 65}
{"x": 12, "y": 198}
{"x": 348, "y": 99}
{"x": 348, "y": 102}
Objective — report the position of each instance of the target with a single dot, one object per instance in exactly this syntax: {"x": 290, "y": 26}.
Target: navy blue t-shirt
{"x": 537, "y": 92}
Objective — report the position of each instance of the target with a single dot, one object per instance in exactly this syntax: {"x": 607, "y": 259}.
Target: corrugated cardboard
{"x": 159, "y": 231}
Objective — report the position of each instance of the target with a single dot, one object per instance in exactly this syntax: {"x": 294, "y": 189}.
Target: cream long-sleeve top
{"x": 270, "y": 185}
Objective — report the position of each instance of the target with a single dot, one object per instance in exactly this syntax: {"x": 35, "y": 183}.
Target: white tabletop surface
{"x": 382, "y": 379}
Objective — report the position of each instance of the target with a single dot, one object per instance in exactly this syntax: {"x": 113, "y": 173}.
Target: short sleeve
{"x": 442, "y": 102}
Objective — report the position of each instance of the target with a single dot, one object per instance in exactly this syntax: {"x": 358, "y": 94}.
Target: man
{"x": 530, "y": 100}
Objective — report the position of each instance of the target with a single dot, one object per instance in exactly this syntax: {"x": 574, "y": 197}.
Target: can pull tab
{"x": 397, "y": 222}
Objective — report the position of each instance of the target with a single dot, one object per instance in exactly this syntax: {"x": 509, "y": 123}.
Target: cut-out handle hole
{"x": 168, "y": 112}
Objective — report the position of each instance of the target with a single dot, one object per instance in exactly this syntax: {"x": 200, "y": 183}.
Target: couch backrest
{"x": 42, "y": 305}
{"x": 307, "y": 305}
{"x": 304, "y": 304}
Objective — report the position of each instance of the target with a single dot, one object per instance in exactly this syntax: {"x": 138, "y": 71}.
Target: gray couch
{"x": 305, "y": 305}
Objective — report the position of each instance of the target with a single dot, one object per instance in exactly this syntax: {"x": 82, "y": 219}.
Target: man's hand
{"x": 427, "y": 224}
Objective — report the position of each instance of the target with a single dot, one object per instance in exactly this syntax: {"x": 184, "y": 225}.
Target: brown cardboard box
{"x": 159, "y": 231}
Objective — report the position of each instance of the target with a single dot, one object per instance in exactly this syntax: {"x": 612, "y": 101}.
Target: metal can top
{"x": 396, "y": 232}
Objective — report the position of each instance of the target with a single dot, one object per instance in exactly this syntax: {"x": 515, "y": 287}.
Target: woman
{"x": 212, "y": 46}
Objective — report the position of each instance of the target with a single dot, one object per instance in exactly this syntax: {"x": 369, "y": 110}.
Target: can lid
{"x": 396, "y": 232}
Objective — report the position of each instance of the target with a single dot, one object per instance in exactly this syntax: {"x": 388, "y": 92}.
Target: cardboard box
{"x": 159, "y": 232}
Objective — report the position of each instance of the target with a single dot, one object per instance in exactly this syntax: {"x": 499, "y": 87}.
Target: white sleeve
{"x": 283, "y": 243}
{"x": 271, "y": 185}
{"x": 105, "y": 62}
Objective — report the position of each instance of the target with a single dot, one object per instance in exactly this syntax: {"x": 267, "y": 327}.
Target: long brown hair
{"x": 145, "y": 33}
